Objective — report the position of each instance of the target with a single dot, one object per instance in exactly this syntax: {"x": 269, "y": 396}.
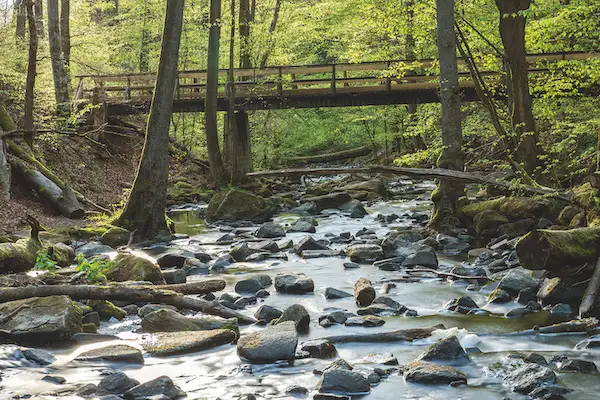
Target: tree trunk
{"x": 65, "y": 32}
{"x": 416, "y": 139}
{"x": 330, "y": 157}
{"x": 590, "y": 297}
{"x": 59, "y": 72}
{"x": 145, "y": 39}
{"x": 402, "y": 335}
{"x": 4, "y": 173}
{"x": 145, "y": 208}
{"x": 445, "y": 197}
{"x": 212, "y": 84}
{"x": 20, "y": 10}
{"x": 512, "y": 30}
{"x": 39, "y": 17}
{"x": 31, "y": 74}
{"x": 244, "y": 21}
{"x": 270, "y": 41}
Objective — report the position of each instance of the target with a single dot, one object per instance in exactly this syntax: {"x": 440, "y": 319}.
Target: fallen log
{"x": 430, "y": 173}
{"x": 445, "y": 274}
{"x": 591, "y": 294}
{"x": 402, "y": 335}
{"x": 555, "y": 250}
{"x": 586, "y": 325}
{"x": 134, "y": 295}
{"x": 330, "y": 157}
{"x": 198, "y": 287}
{"x": 63, "y": 201}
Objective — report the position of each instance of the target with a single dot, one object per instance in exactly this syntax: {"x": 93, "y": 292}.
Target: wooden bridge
{"x": 309, "y": 86}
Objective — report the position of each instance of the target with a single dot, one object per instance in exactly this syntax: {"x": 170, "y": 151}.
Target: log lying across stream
{"x": 402, "y": 335}
{"x": 431, "y": 173}
{"x": 331, "y": 157}
{"x": 135, "y": 295}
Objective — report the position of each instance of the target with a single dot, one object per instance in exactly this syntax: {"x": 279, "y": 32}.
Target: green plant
{"x": 93, "y": 269}
{"x": 43, "y": 262}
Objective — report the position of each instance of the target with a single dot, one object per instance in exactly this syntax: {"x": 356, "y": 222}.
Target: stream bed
{"x": 220, "y": 373}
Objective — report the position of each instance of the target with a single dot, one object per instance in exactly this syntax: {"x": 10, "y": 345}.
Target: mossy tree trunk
{"x": 31, "y": 73}
{"x": 4, "y": 174}
{"x": 512, "y": 31}
{"x": 446, "y": 196}
{"x": 145, "y": 208}
{"x": 57, "y": 60}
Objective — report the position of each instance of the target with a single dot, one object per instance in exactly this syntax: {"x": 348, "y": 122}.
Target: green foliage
{"x": 93, "y": 268}
{"x": 43, "y": 262}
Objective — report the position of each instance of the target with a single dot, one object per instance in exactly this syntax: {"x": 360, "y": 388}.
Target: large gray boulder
{"x": 444, "y": 350}
{"x": 237, "y": 204}
{"x": 364, "y": 252}
{"x": 270, "y": 230}
{"x": 331, "y": 200}
{"x": 293, "y": 283}
{"x": 364, "y": 293}
{"x": 161, "y": 388}
{"x": 269, "y": 345}
{"x": 166, "y": 320}
{"x": 129, "y": 267}
{"x": 518, "y": 279}
{"x": 529, "y": 377}
{"x": 115, "y": 382}
{"x": 298, "y": 315}
{"x": 114, "y": 353}
{"x": 44, "y": 319}
{"x": 168, "y": 343}
{"x": 428, "y": 373}
{"x": 343, "y": 381}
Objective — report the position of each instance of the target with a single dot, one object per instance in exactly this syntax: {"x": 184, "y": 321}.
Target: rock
{"x": 550, "y": 393}
{"x": 115, "y": 237}
{"x": 248, "y": 286}
{"x": 241, "y": 252}
{"x": 332, "y": 294}
{"x": 305, "y": 208}
{"x": 166, "y": 320}
{"x": 45, "y": 319}
{"x": 561, "y": 310}
{"x": 335, "y": 317}
{"x": 91, "y": 318}
{"x": 58, "y": 380}
{"x": 265, "y": 280}
{"x": 476, "y": 253}
{"x": 526, "y": 295}
{"x": 560, "y": 290}
{"x": 468, "y": 271}
{"x": 444, "y": 350}
{"x": 567, "y": 214}
{"x": 148, "y": 308}
{"x": 516, "y": 229}
{"x": 267, "y": 313}
{"x": 367, "y": 321}
{"x": 487, "y": 222}
{"x": 380, "y": 310}
{"x": 374, "y": 186}
{"x": 270, "y": 230}
{"x": 296, "y": 390}
{"x": 89, "y": 328}
{"x": 193, "y": 266}
{"x": 39, "y": 356}
{"x": 308, "y": 243}
{"x": 174, "y": 258}
{"x": 589, "y": 343}
{"x": 424, "y": 258}
{"x": 129, "y": 267}
{"x": 319, "y": 348}
{"x": 237, "y": 204}
{"x": 351, "y": 265}
{"x": 92, "y": 249}
{"x": 161, "y": 388}
{"x": 297, "y": 314}
{"x": 499, "y": 296}
{"x": 331, "y": 200}
{"x": 304, "y": 224}
{"x": 535, "y": 358}
{"x": 344, "y": 382}
{"x": 518, "y": 279}
{"x": 529, "y": 377}
{"x": 174, "y": 276}
{"x": 578, "y": 365}
{"x": 116, "y": 382}
{"x": 461, "y": 305}
{"x": 329, "y": 396}
{"x": 307, "y": 254}
{"x": 455, "y": 249}
{"x": 364, "y": 293}
{"x": 354, "y": 209}
{"x": 293, "y": 283}
{"x": 388, "y": 301}
{"x": 364, "y": 252}
{"x": 62, "y": 254}
{"x": 107, "y": 310}
{"x": 168, "y": 343}
{"x": 86, "y": 390}
{"x": 389, "y": 264}
{"x": 114, "y": 353}
{"x": 428, "y": 373}
{"x": 269, "y": 345}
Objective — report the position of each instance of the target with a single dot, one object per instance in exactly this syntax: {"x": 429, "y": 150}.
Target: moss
{"x": 89, "y": 328}
{"x": 185, "y": 192}
{"x": 106, "y": 309}
{"x": 488, "y": 221}
{"x": 78, "y": 232}
{"x": 62, "y": 254}
{"x": 128, "y": 267}
{"x": 115, "y": 236}
{"x": 234, "y": 203}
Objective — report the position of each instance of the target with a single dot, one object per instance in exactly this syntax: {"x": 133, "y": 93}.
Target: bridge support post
{"x": 241, "y": 148}
{"x": 99, "y": 115}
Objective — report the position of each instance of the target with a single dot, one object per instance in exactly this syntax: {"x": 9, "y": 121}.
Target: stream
{"x": 220, "y": 373}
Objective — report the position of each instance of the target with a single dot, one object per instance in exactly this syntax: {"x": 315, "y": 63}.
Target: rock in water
{"x": 364, "y": 252}
{"x": 269, "y": 345}
{"x": 166, "y": 320}
{"x": 343, "y": 381}
{"x": 167, "y": 343}
{"x": 293, "y": 283}
{"x": 44, "y": 319}
{"x": 424, "y": 372}
{"x": 236, "y": 204}
{"x": 518, "y": 279}
{"x": 320, "y": 348}
{"x": 297, "y": 314}
{"x": 267, "y": 313}
{"x": 529, "y": 377}
{"x": 129, "y": 267}
{"x": 444, "y": 350}
{"x": 116, "y": 353}
{"x": 161, "y": 388}
{"x": 116, "y": 382}
{"x": 270, "y": 230}
{"x": 332, "y": 293}
{"x": 331, "y": 200}
{"x": 364, "y": 293}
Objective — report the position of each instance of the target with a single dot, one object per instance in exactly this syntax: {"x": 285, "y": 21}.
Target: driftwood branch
{"x": 431, "y": 173}
{"x": 591, "y": 294}
{"x": 135, "y": 295}
{"x": 446, "y": 274}
{"x": 330, "y": 157}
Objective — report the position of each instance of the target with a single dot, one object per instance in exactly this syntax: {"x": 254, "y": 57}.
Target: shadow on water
{"x": 188, "y": 222}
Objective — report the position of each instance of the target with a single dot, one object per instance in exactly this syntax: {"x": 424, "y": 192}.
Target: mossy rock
{"x": 89, "y": 328}
{"x": 375, "y": 187}
{"x": 129, "y": 267}
{"x": 516, "y": 208}
{"x": 62, "y": 254}
{"x": 567, "y": 214}
{"x": 107, "y": 310}
{"x": 19, "y": 256}
{"x": 185, "y": 192}
{"x": 584, "y": 195}
{"x": 238, "y": 204}
{"x": 487, "y": 222}
{"x": 84, "y": 233}
{"x": 115, "y": 237}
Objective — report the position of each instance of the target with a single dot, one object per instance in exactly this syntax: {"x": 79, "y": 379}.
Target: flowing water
{"x": 218, "y": 373}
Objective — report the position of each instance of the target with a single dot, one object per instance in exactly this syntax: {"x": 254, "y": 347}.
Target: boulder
{"x": 174, "y": 276}
{"x": 367, "y": 321}
{"x": 129, "y": 267}
{"x": 269, "y": 345}
{"x": 237, "y": 204}
{"x": 428, "y": 373}
{"x": 444, "y": 350}
{"x": 424, "y": 258}
{"x": 304, "y": 224}
{"x": 518, "y": 279}
{"x": 161, "y": 388}
{"x": 92, "y": 249}
{"x": 308, "y": 243}
{"x": 499, "y": 296}
{"x": 331, "y": 200}
{"x": 560, "y": 290}
{"x": 332, "y": 293}
{"x": 43, "y": 319}
{"x": 39, "y": 356}
{"x": 148, "y": 308}
{"x": 462, "y": 305}
{"x": 168, "y": 343}
{"x": 115, "y": 237}
{"x": 114, "y": 353}
{"x": 529, "y": 377}
{"x": 487, "y": 222}
{"x": 364, "y": 293}
{"x": 62, "y": 254}
{"x": 364, "y": 252}
{"x": 270, "y": 230}
{"x": 578, "y": 365}
{"x": 166, "y": 320}
{"x": 267, "y": 313}
{"x": 298, "y": 315}
{"x": 516, "y": 229}
{"x": 320, "y": 348}
{"x": 251, "y": 285}
{"x": 115, "y": 382}
{"x": 174, "y": 258}
{"x": 354, "y": 209}
{"x": 293, "y": 283}
{"x": 107, "y": 310}
{"x": 343, "y": 381}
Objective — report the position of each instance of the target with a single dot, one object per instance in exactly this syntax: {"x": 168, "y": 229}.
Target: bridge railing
{"x": 287, "y": 81}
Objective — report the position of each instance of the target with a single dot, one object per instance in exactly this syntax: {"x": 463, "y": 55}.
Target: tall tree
{"x": 20, "y": 11}
{"x": 512, "y": 30}
{"x": 145, "y": 40}
{"x": 59, "y": 72}
{"x": 445, "y": 197}
{"x": 217, "y": 168}
{"x": 5, "y": 121}
{"x": 244, "y": 27}
{"x": 39, "y": 16}
{"x": 270, "y": 40}
{"x": 410, "y": 45}
{"x": 145, "y": 207}
{"x": 31, "y": 73}
{"x": 65, "y": 31}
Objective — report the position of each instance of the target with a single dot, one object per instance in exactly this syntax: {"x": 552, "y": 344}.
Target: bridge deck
{"x": 331, "y": 85}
